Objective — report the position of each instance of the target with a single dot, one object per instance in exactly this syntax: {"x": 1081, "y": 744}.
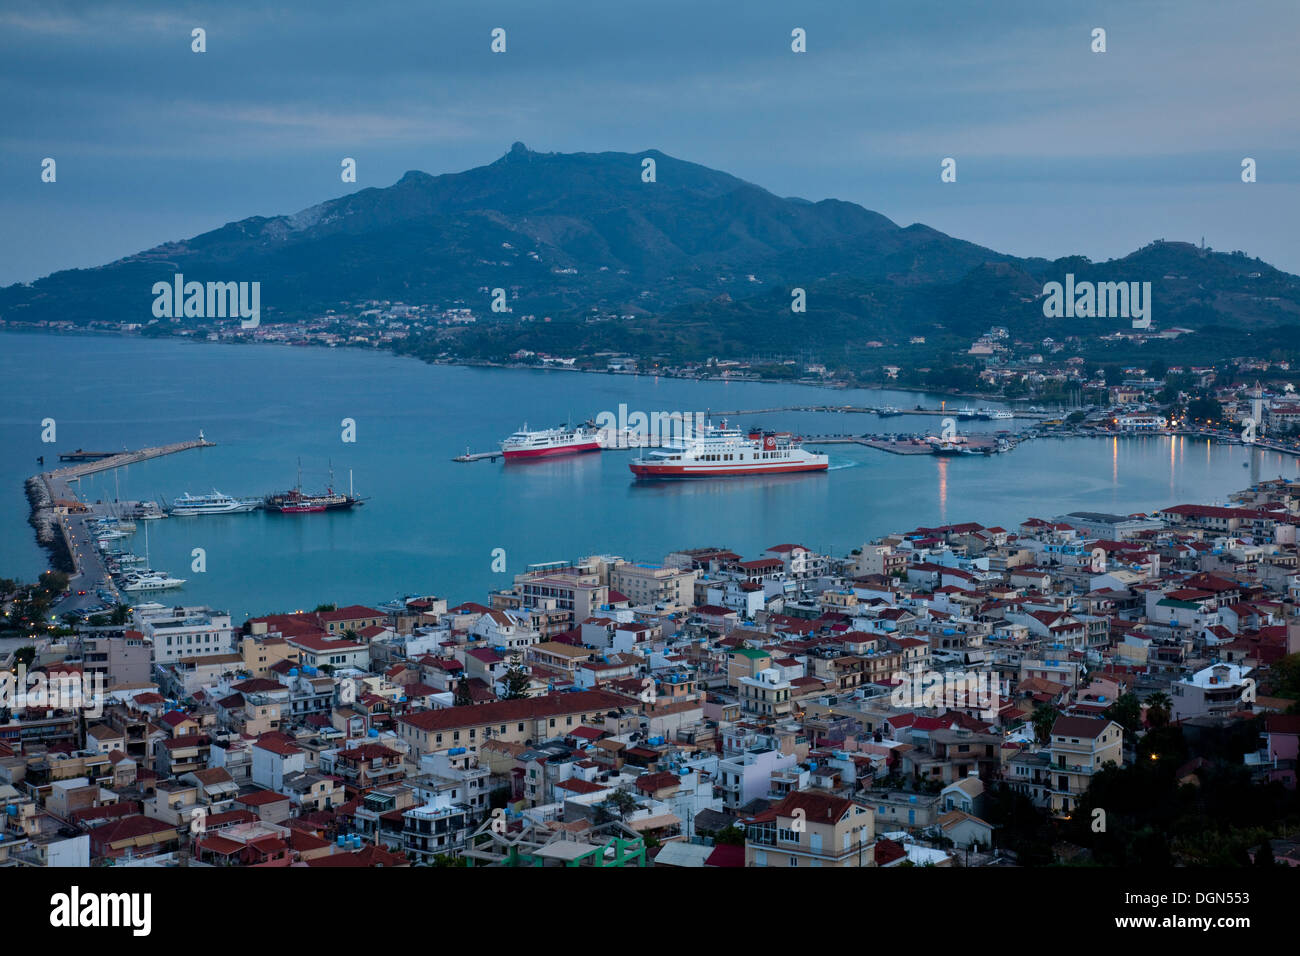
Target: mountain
{"x": 703, "y": 260}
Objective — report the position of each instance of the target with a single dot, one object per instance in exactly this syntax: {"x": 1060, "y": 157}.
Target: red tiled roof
{"x": 578, "y": 785}
{"x": 368, "y": 856}
{"x": 127, "y": 828}
{"x": 817, "y": 807}
{"x": 260, "y": 798}
{"x": 353, "y": 612}
{"x": 218, "y": 844}
{"x": 277, "y": 744}
{"x": 505, "y": 711}
{"x": 1090, "y": 727}
{"x": 726, "y": 854}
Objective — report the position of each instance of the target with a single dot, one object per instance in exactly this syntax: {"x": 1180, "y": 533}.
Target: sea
{"x": 431, "y": 525}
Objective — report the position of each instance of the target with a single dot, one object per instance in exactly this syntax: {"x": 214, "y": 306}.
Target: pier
{"x": 479, "y": 456}
{"x": 980, "y": 444}
{"x": 80, "y": 455}
{"x": 873, "y": 410}
{"x": 118, "y": 459}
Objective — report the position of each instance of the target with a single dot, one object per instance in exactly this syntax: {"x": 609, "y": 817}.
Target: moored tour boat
{"x": 297, "y": 502}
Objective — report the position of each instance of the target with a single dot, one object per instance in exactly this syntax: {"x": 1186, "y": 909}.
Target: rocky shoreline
{"x": 43, "y": 520}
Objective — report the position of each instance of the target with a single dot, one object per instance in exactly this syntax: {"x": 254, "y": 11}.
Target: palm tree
{"x": 1043, "y": 718}
{"x": 1159, "y": 708}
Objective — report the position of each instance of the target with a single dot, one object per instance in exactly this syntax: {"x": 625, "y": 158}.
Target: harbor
{"x": 79, "y": 533}
{"x": 425, "y": 516}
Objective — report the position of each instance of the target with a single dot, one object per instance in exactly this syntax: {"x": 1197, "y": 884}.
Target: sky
{"x": 1059, "y": 150}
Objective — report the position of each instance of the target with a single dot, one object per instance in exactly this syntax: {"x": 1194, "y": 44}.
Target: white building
{"x": 748, "y": 776}
{"x": 179, "y": 632}
{"x": 1217, "y": 689}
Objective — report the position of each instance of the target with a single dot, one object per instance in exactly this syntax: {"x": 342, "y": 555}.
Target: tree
{"x": 616, "y": 806}
{"x": 1206, "y": 410}
{"x": 1158, "y": 709}
{"x": 463, "y": 696}
{"x": 1127, "y": 712}
{"x": 729, "y": 836}
{"x": 516, "y": 682}
{"x": 1286, "y": 677}
{"x": 1043, "y": 718}
{"x": 1158, "y": 369}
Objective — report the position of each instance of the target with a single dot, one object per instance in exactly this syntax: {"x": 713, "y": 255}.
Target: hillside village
{"x": 952, "y": 696}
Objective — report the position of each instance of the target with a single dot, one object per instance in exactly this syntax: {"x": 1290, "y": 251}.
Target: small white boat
{"x": 150, "y": 581}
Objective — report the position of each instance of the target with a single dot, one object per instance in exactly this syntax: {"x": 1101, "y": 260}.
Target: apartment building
{"x": 654, "y": 584}
{"x": 175, "y": 633}
{"x": 513, "y": 721}
{"x": 1215, "y": 691}
{"x": 120, "y": 654}
{"x": 748, "y": 775}
{"x": 578, "y": 592}
{"x": 1079, "y": 748}
{"x": 811, "y": 828}
{"x": 766, "y": 695}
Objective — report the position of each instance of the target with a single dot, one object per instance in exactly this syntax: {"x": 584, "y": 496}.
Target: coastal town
{"x": 954, "y": 696}
{"x": 1139, "y": 369}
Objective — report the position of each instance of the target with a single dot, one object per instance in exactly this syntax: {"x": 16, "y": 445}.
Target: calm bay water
{"x": 430, "y": 524}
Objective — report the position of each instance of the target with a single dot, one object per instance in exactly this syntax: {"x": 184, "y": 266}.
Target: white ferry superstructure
{"x": 728, "y": 452}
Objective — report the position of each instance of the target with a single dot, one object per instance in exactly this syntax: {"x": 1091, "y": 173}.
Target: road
{"x": 92, "y": 573}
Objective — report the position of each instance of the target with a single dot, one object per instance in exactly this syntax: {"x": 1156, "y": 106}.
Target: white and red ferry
{"x": 727, "y": 452}
{"x": 550, "y": 442}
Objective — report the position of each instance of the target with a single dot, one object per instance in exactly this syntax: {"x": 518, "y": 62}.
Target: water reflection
{"x": 943, "y": 489}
